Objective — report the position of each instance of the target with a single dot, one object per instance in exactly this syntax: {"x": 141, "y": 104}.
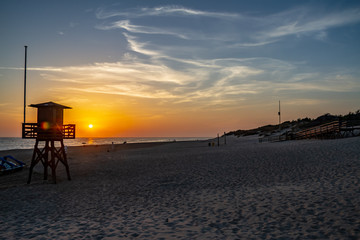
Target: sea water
{"x": 8, "y": 143}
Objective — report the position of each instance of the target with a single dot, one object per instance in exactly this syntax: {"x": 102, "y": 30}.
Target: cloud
{"x": 138, "y": 47}
{"x": 143, "y": 79}
{"x": 42, "y": 69}
{"x": 305, "y": 101}
{"x": 305, "y": 23}
{"x": 177, "y": 10}
{"x": 101, "y": 13}
{"x": 253, "y": 44}
{"x": 216, "y": 82}
{"x": 209, "y": 26}
{"x": 126, "y": 25}
{"x": 316, "y": 82}
{"x": 219, "y": 31}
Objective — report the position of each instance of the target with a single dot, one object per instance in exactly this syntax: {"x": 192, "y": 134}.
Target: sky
{"x": 185, "y": 68}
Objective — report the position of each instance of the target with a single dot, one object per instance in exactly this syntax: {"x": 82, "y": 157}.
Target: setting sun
{"x": 90, "y": 126}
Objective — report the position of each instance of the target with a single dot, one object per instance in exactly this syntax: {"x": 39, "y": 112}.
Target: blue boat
{"x": 10, "y": 164}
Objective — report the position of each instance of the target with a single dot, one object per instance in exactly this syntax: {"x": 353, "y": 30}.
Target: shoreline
{"x": 117, "y": 146}
{"x": 11, "y": 143}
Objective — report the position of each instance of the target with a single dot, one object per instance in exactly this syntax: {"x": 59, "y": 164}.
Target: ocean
{"x": 9, "y": 143}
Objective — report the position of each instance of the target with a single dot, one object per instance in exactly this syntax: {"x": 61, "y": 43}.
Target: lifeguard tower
{"x": 49, "y": 129}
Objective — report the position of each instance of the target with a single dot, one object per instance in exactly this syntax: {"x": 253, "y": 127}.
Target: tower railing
{"x": 34, "y": 130}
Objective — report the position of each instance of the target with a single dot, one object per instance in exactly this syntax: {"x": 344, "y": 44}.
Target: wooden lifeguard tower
{"x": 49, "y": 129}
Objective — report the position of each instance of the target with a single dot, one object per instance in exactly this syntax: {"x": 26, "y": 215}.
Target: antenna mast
{"x": 25, "y": 85}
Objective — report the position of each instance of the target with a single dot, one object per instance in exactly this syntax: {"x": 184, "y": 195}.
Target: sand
{"x": 306, "y": 189}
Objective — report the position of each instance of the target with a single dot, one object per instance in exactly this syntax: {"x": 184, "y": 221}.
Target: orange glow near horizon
{"x": 142, "y": 117}
{"x": 147, "y": 120}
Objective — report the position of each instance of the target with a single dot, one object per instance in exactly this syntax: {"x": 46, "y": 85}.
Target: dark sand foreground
{"x": 187, "y": 190}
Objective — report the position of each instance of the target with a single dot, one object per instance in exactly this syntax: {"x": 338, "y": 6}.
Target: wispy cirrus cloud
{"x": 143, "y": 80}
{"x": 304, "y": 21}
{"x": 183, "y": 25}
{"x": 43, "y": 69}
{"x": 162, "y": 11}
{"x": 217, "y": 30}
{"x": 216, "y": 81}
{"x": 126, "y": 25}
{"x": 140, "y": 47}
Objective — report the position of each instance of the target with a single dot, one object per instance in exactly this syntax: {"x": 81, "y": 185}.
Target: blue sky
{"x": 224, "y": 62}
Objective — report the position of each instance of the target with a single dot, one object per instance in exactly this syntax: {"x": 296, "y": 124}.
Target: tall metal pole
{"x": 25, "y": 85}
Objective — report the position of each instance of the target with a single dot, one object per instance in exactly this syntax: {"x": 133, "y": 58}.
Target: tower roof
{"x": 49, "y": 104}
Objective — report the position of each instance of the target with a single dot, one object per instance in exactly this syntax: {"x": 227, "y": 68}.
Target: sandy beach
{"x": 308, "y": 189}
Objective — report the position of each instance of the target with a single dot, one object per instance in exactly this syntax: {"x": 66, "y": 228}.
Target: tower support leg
{"x": 64, "y": 160}
{"x": 51, "y": 161}
{"x": 34, "y": 160}
{"x": 45, "y": 159}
